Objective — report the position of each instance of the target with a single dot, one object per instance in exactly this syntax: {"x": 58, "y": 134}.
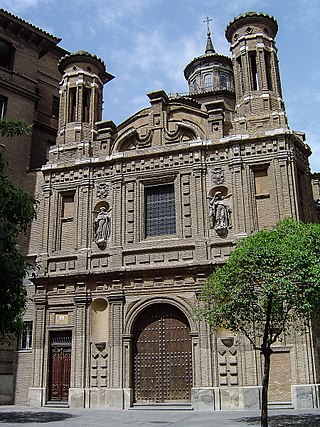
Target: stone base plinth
{"x": 225, "y": 398}
{"x": 305, "y": 396}
{"x": 37, "y": 397}
{"x": 109, "y": 398}
{"x": 77, "y": 397}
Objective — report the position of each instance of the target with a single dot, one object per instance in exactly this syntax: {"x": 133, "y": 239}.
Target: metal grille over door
{"x": 162, "y": 364}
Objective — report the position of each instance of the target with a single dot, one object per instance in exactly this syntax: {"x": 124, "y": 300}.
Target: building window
{"x": 3, "y": 106}
{"x": 261, "y": 180}
{"x": 25, "y": 338}
{"x": 160, "y": 210}
{"x": 208, "y": 82}
{"x": 55, "y": 106}
{"x": 6, "y": 55}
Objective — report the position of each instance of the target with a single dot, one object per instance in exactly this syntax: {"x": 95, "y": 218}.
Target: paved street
{"x": 15, "y": 416}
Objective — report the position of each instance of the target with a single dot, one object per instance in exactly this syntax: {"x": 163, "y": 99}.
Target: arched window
{"x": 208, "y": 82}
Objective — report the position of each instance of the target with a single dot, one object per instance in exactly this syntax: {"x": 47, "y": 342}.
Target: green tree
{"x": 269, "y": 286}
{"x": 17, "y": 209}
{"x": 13, "y": 127}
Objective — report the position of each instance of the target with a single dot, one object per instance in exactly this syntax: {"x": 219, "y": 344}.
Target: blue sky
{"x": 147, "y": 43}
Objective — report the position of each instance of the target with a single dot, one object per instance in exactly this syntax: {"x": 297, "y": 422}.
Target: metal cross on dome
{"x": 207, "y": 20}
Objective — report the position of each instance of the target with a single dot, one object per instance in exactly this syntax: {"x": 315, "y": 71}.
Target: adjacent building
{"x": 134, "y": 217}
{"x": 29, "y": 91}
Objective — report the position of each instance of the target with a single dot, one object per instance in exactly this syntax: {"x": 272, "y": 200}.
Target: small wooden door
{"x": 162, "y": 364}
{"x": 60, "y": 364}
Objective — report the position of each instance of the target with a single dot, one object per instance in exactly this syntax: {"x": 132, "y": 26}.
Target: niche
{"x": 99, "y": 320}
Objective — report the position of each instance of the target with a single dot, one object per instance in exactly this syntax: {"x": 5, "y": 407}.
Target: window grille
{"x": 160, "y": 210}
{"x": 25, "y": 339}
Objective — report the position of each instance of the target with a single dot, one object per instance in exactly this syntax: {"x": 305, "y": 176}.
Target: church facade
{"x": 132, "y": 220}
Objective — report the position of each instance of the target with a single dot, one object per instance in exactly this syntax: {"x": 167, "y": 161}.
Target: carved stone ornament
{"x": 217, "y": 175}
{"x": 102, "y": 190}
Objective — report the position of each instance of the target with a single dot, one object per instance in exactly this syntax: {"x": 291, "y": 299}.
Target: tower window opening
{"x": 194, "y": 87}
{"x": 267, "y": 60}
{"x": 223, "y": 82}
{"x": 86, "y": 104}
{"x": 208, "y": 82}
{"x": 239, "y": 64}
{"x": 254, "y": 71}
{"x": 72, "y": 104}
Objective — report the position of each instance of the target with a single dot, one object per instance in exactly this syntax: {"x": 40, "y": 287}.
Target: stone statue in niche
{"x": 102, "y": 227}
{"x": 220, "y": 214}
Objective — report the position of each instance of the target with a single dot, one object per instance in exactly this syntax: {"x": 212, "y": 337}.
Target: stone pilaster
{"x": 37, "y": 393}
{"x": 79, "y": 349}
{"x": 239, "y": 206}
{"x": 116, "y": 303}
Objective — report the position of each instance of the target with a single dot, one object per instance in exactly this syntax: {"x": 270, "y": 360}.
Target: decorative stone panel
{"x": 228, "y": 361}
{"x": 99, "y": 365}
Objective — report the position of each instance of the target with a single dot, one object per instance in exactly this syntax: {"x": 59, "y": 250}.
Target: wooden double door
{"x": 162, "y": 356}
{"x": 60, "y": 365}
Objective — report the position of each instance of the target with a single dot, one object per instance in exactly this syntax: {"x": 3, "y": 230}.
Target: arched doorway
{"x": 162, "y": 364}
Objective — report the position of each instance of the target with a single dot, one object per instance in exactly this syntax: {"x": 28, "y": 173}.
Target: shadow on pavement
{"x": 307, "y": 420}
{"x": 32, "y": 417}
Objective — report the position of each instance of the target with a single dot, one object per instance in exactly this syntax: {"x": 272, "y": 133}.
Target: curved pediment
{"x": 172, "y": 123}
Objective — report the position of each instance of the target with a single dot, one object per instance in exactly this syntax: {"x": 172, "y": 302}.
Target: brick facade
{"x": 225, "y": 147}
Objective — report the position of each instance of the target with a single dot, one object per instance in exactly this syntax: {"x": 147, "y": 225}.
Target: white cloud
{"x": 112, "y": 11}
{"x": 159, "y": 57}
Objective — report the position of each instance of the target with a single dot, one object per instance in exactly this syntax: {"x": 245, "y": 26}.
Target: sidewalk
{"x": 16, "y": 416}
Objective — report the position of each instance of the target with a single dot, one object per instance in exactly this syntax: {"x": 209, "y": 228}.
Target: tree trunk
{"x": 266, "y": 351}
{"x": 265, "y": 385}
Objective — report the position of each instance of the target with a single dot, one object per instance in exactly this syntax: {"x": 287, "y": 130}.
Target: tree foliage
{"x": 270, "y": 285}
{"x": 17, "y": 209}
{"x": 13, "y": 127}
